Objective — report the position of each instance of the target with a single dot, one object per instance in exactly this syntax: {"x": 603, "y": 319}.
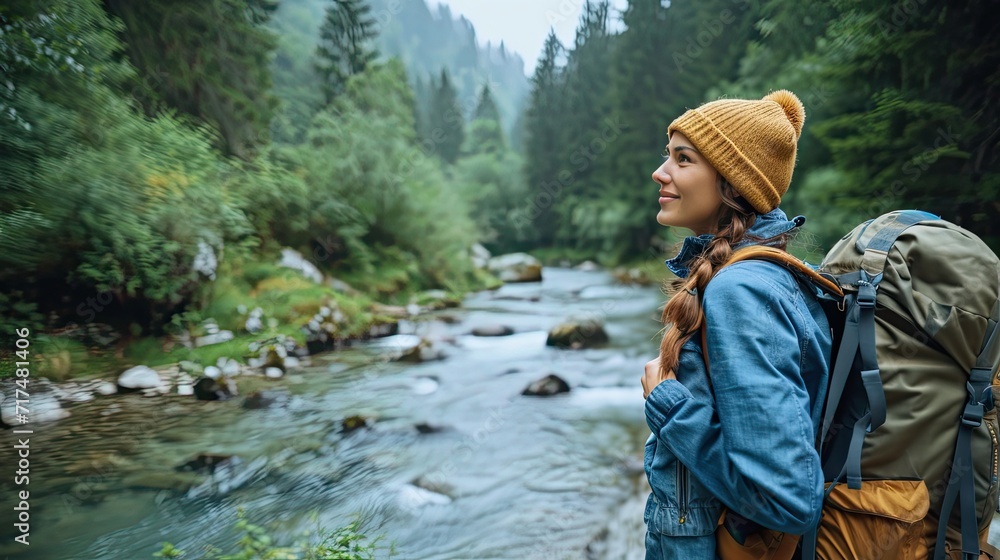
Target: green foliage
{"x": 492, "y": 184}
{"x": 207, "y": 59}
{"x": 369, "y": 186}
{"x": 345, "y": 44}
{"x": 257, "y": 543}
{"x": 446, "y": 123}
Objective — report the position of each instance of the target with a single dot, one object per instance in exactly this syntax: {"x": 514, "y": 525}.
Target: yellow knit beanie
{"x": 751, "y": 143}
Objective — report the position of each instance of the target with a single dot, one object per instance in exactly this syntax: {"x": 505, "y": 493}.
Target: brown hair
{"x": 683, "y": 315}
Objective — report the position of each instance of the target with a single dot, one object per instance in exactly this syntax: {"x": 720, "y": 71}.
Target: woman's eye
{"x": 684, "y": 158}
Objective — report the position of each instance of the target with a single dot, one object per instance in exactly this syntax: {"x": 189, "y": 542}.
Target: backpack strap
{"x": 875, "y": 244}
{"x": 799, "y": 268}
{"x": 961, "y": 482}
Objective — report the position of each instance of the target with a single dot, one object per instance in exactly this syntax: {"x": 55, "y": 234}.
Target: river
{"x": 454, "y": 464}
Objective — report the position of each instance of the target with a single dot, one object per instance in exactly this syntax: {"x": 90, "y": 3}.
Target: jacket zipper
{"x": 682, "y": 493}
{"x": 993, "y": 436}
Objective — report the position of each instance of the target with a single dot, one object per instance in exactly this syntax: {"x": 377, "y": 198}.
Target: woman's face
{"x": 689, "y": 188}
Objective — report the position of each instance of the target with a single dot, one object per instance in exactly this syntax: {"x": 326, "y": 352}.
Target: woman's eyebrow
{"x": 679, "y": 148}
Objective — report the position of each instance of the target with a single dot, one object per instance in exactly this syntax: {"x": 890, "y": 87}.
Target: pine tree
{"x": 586, "y": 128}
{"x": 542, "y": 137}
{"x": 205, "y": 58}
{"x": 447, "y": 122}
{"x": 485, "y": 134}
{"x": 345, "y": 46}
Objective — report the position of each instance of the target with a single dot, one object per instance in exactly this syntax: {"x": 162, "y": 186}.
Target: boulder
{"x": 492, "y": 330}
{"x": 291, "y": 258}
{"x": 138, "y": 378}
{"x": 577, "y": 333}
{"x": 516, "y": 267}
{"x": 480, "y": 256}
{"x": 549, "y": 385}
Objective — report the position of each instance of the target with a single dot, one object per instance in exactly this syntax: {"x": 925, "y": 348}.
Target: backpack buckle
{"x": 973, "y": 415}
{"x": 866, "y": 294}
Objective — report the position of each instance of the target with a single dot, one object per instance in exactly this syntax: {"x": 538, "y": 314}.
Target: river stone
{"x": 228, "y": 366}
{"x": 588, "y": 266}
{"x": 213, "y": 372}
{"x": 273, "y": 372}
{"x": 208, "y": 389}
{"x": 185, "y": 389}
{"x": 106, "y": 388}
{"x": 43, "y": 407}
{"x": 516, "y": 267}
{"x": 138, "y": 378}
{"x": 632, "y": 276}
{"x": 577, "y": 333}
{"x": 442, "y": 488}
{"x": 413, "y": 497}
{"x": 549, "y": 385}
{"x": 425, "y": 428}
{"x": 492, "y": 330}
{"x": 205, "y": 462}
{"x": 424, "y": 351}
{"x": 264, "y": 399}
{"x": 190, "y": 367}
{"x": 352, "y": 423}
{"x": 208, "y": 340}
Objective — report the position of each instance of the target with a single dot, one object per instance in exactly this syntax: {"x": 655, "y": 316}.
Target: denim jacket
{"x": 745, "y": 439}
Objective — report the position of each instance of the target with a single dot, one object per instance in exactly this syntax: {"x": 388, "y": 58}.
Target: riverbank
{"x": 245, "y": 303}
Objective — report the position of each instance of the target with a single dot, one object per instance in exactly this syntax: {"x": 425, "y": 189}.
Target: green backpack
{"x": 909, "y": 433}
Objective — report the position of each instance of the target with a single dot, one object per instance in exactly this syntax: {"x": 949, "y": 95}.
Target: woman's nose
{"x": 661, "y": 176}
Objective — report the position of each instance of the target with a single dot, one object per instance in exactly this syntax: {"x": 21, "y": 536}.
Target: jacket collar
{"x": 766, "y": 226}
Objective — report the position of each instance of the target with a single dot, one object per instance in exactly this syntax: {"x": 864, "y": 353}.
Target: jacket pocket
{"x": 689, "y": 509}
{"x": 881, "y": 521}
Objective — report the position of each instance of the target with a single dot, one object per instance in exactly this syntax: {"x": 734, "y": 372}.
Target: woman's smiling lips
{"x": 665, "y": 199}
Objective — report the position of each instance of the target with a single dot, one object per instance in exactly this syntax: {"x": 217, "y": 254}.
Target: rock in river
{"x": 549, "y": 385}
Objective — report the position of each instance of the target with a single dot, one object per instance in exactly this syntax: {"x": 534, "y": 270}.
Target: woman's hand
{"x": 651, "y": 378}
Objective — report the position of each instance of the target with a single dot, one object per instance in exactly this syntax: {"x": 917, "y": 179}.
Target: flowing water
{"x": 454, "y": 464}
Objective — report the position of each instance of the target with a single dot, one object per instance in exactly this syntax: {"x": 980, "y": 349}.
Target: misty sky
{"x": 523, "y": 24}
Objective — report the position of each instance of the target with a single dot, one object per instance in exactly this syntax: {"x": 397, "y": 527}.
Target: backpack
{"x": 908, "y": 440}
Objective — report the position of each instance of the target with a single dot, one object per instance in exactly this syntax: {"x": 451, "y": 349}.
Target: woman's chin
{"x": 665, "y": 218}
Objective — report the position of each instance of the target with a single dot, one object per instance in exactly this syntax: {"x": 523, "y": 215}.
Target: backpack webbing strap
{"x": 961, "y": 481}
{"x": 876, "y": 248}
{"x": 796, "y": 266}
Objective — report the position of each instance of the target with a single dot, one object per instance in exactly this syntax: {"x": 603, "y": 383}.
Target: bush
{"x": 345, "y": 543}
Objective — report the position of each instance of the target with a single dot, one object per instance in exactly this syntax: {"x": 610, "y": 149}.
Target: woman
{"x": 742, "y": 435}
